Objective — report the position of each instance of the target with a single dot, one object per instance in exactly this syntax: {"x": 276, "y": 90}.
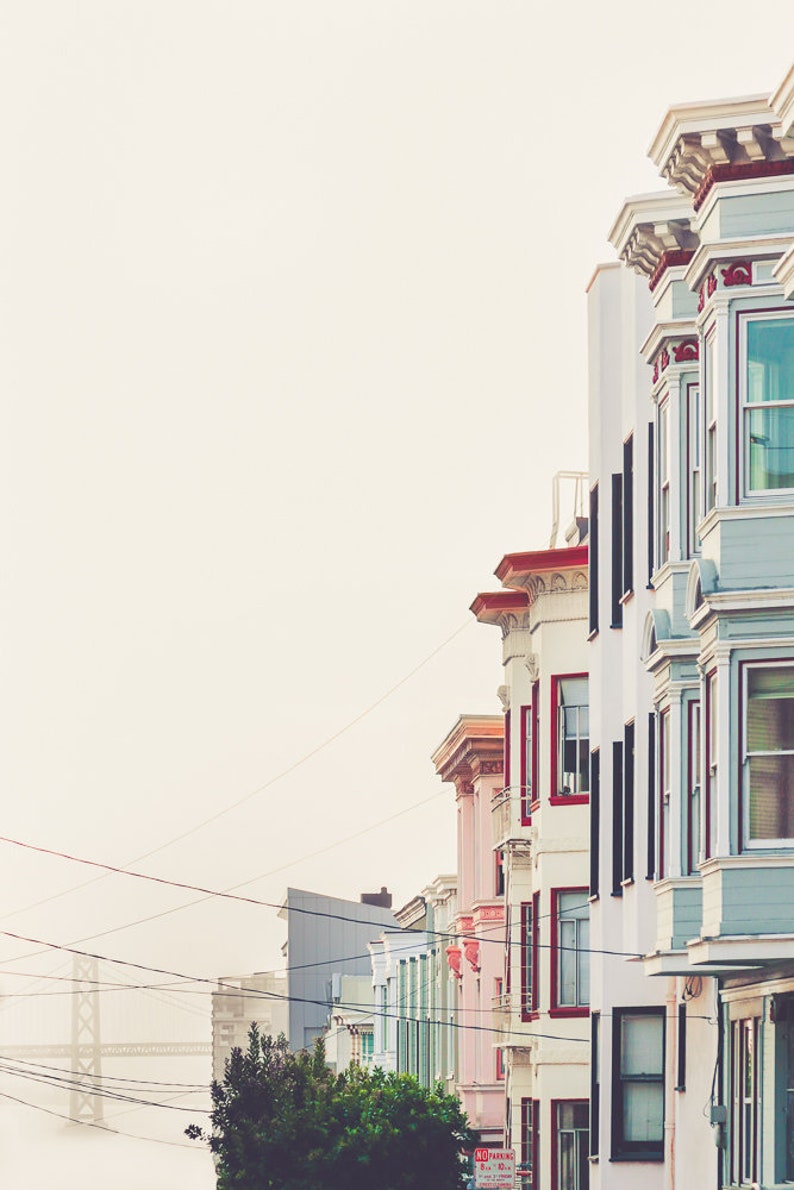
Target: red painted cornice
{"x": 489, "y": 603}
{"x": 539, "y": 562}
{"x": 740, "y": 171}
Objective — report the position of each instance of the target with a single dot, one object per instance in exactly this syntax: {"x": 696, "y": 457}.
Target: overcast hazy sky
{"x": 292, "y": 340}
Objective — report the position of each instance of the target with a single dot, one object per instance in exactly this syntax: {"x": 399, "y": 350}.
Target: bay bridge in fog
{"x": 87, "y": 1015}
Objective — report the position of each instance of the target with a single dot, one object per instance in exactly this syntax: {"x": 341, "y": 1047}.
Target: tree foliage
{"x": 284, "y": 1121}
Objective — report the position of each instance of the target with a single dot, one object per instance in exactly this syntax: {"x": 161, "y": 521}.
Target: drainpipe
{"x": 671, "y": 1014}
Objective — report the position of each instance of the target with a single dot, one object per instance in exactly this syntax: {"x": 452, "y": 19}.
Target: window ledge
{"x": 569, "y": 1012}
{"x": 622, "y": 1158}
{"x": 569, "y": 799}
{"x": 628, "y": 881}
{"x": 626, "y": 597}
{"x": 593, "y": 634}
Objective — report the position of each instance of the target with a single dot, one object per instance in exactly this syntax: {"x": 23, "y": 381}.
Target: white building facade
{"x": 692, "y": 661}
{"x": 540, "y": 835}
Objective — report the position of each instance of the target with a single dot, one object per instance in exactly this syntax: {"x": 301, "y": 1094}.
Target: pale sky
{"x": 292, "y": 340}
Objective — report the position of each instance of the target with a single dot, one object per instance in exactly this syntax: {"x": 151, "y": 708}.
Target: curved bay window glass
{"x": 769, "y": 405}
{"x": 769, "y": 754}
{"x": 573, "y": 743}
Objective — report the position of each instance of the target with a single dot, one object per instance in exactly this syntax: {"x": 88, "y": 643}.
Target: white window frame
{"x": 758, "y": 844}
{"x": 745, "y": 406}
{"x": 745, "y": 1108}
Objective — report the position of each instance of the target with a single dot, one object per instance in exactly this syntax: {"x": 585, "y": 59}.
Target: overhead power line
{"x": 300, "y": 909}
{"x": 265, "y": 785}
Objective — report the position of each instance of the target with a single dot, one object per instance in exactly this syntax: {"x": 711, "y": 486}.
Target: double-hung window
{"x": 745, "y": 1094}
{"x": 711, "y": 755}
{"x": 570, "y": 1145}
{"x": 665, "y": 793}
{"x": 572, "y": 718}
{"x": 570, "y": 950}
{"x": 768, "y": 767}
{"x": 768, "y": 405}
{"x": 530, "y": 790}
{"x": 530, "y": 1143}
{"x": 628, "y": 515}
{"x": 593, "y": 561}
{"x": 663, "y": 480}
{"x": 694, "y": 466}
{"x": 638, "y": 1084}
{"x": 693, "y": 787}
{"x": 709, "y": 426}
{"x": 529, "y": 957}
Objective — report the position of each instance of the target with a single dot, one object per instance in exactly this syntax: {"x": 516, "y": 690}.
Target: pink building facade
{"x": 472, "y": 759}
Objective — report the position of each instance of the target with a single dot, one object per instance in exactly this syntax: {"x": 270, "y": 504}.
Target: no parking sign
{"x": 495, "y": 1168}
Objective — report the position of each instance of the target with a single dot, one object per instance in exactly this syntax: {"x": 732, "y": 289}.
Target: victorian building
{"x": 413, "y": 989}
{"x": 539, "y": 831}
{"x": 692, "y": 660}
{"x": 472, "y": 759}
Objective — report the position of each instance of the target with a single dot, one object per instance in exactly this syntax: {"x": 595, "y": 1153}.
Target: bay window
{"x": 572, "y": 752}
{"x": 768, "y": 759}
{"x": 768, "y": 405}
{"x": 638, "y": 1084}
{"x": 570, "y": 950}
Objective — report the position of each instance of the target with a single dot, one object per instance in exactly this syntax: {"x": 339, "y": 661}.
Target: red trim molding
{"x": 555, "y": 797}
{"x": 685, "y": 351}
{"x": 738, "y": 272}
{"x": 676, "y": 256}
{"x": 555, "y": 1009}
{"x": 740, "y": 171}
{"x": 538, "y": 561}
{"x": 500, "y": 601}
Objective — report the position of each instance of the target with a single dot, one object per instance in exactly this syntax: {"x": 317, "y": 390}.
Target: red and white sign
{"x": 495, "y": 1168}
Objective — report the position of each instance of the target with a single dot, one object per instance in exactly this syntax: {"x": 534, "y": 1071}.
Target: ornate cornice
{"x": 700, "y": 144}
{"x": 474, "y": 747}
{"x": 652, "y": 233}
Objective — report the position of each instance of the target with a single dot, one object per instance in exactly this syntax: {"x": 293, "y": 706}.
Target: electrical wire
{"x": 174, "y": 1144}
{"x": 221, "y": 894}
{"x": 265, "y": 785}
{"x": 114, "y": 1078}
{"x": 279, "y": 997}
{"x": 94, "y": 1088}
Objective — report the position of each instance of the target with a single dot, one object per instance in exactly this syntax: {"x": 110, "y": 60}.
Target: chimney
{"x": 382, "y": 899}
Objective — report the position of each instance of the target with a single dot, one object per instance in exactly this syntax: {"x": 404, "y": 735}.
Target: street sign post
{"x": 495, "y": 1168}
